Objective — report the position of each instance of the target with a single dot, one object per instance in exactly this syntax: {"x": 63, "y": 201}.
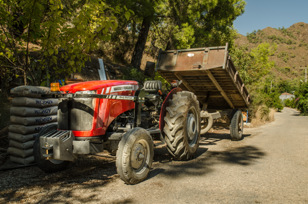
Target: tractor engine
{"x": 152, "y": 105}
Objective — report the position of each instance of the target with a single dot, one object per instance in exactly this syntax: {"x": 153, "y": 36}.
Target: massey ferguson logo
{"x": 121, "y": 88}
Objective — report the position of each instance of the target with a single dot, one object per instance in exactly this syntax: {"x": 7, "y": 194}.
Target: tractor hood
{"x": 95, "y": 85}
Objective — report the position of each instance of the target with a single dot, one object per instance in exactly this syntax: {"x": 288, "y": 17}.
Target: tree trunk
{"x": 25, "y": 77}
{"x": 140, "y": 45}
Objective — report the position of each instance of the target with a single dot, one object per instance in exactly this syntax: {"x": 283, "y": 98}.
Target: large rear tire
{"x": 51, "y": 165}
{"x": 237, "y": 126}
{"x": 182, "y": 125}
{"x": 135, "y": 156}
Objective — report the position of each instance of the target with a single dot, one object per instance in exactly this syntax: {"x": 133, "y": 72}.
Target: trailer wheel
{"x": 182, "y": 125}
{"x": 236, "y": 127}
{"x": 135, "y": 156}
{"x": 206, "y": 124}
{"x": 51, "y": 165}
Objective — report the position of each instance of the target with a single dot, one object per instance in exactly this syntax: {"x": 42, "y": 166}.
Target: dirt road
{"x": 270, "y": 165}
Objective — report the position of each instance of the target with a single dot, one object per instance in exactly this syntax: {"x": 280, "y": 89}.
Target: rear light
{"x": 54, "y": 87}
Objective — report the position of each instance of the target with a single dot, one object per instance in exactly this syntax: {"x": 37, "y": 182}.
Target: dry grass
{"x": 263, "y": 115}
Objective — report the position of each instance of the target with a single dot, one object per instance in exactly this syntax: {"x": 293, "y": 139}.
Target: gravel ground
{"x": 268, "y": 166}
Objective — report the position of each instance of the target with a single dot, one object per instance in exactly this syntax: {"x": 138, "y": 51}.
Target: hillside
{"x": 291, "y": 52}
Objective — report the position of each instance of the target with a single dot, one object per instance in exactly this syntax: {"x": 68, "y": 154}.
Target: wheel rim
{"x": 140, "y": 156}
{"x": 192, "y": 127}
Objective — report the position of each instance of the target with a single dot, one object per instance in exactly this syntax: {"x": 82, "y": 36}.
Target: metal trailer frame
{"x": 210, "y": 74}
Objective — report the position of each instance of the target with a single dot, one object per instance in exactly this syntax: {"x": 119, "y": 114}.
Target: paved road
{"x": 270, "y": 165}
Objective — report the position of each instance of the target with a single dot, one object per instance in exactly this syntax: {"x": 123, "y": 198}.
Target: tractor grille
{"x": 75, "y": 114}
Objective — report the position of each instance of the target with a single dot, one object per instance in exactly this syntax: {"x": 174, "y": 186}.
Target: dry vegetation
{"x": 292, "y": 48}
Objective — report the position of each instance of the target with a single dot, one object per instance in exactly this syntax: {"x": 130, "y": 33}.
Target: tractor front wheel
{"x": 135, "y": 156}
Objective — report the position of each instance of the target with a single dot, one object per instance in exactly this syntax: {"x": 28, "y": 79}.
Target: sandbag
{"x": 34, "y": 102}
{"x": 21, "y": 145}
{"x": 20, "y": 152}
{"x": 22, "y": 138}
{"x": 27, "y": 129}
{"x": 30, "y": 91}
{"x": 28, "y": 111}
{"x": 25, "y": 161}
{"x": 33, "y": 120}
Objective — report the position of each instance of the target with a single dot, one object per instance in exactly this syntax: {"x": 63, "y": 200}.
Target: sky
{"x": 260, "y": 14}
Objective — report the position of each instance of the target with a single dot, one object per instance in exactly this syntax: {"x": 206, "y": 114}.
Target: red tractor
{"x": 118, "y": 116}
{"x": 123, "y": 118}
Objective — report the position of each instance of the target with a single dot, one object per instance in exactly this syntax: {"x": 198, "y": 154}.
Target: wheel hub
{"x": 191, "y": 126}
{"x": 138, "y": 156}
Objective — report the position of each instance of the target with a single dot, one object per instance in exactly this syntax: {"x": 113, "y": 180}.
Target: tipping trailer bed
{"x": 207, "y": 72}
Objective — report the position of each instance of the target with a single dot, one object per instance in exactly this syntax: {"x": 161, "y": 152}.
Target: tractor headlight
{"x": 85, "y": 92}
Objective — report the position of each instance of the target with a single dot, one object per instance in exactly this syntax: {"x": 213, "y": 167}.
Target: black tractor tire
{"x": 135, "y": 156}
{"x": 182, "y": 125}
{"x": 51, "y": 165}
{"x": 237, "y": 126}
{"x": 206, "y": 124}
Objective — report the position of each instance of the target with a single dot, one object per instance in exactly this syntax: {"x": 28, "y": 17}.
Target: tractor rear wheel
{"x": 135, "y": 156}
{"x": 182, "y": 125}
{"x": 51, "y": 165}
{"x": 237, "y": 126}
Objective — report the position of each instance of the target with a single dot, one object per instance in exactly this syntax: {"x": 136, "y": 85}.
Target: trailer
{"x": 210, "y": 74}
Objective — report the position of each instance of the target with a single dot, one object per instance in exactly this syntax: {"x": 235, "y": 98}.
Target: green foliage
{"x": 280, "y": 40}
{"x": 284, "y": 56}
{"x": 301, "y": 101}
{"x": 254, "y": 67}
{"x": 133, "y": 74}
{"x": 184, "y": 37}
{"x": 255, "y": 64}
{"x": 286, "y": 32}
{"x": 56, "y": 35}
{"x": 253, "y": 37}
{"x": 166, "y": 86}
{"x": 290, "y": 103}
{"x": 183, "y": 24}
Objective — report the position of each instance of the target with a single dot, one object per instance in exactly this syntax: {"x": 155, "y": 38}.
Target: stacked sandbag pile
{"x": 30, "y": 112}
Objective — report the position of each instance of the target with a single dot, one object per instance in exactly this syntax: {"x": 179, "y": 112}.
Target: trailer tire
{"x": 206, "y": 124}
{"x": 51, "y": 165}
{"x": 182, "y": 125}
{"x": 236, "y": 126}
{"x": 135, "y": 156}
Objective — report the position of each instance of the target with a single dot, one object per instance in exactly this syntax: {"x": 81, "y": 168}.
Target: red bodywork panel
{"x": 105, "y": 110}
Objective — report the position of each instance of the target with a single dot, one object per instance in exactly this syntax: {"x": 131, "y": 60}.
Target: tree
{"x": 178, "y": 24}
{"x": 53, "y": 35}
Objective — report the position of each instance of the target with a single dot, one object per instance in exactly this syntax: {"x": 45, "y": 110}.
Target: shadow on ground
{"x": 205, "y": 160}
{"x": 92, "y": 172}
{"x": 86, "y": 173}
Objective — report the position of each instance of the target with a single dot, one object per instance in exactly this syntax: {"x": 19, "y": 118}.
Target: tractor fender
{"x": 164, "y": 106}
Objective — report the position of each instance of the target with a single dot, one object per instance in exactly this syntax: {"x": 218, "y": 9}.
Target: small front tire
{"x": 135, "y": 156}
